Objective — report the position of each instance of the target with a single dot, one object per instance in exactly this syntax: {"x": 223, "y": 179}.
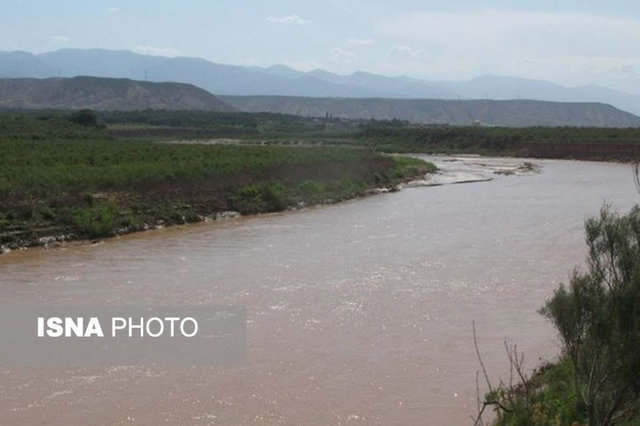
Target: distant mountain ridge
{"x": 509, "y": 113}
{"x": 283, "y": 81}
{"x": 104, "y": 94}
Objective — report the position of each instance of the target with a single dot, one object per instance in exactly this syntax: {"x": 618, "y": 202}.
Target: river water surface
{"x": 357, "y": 313}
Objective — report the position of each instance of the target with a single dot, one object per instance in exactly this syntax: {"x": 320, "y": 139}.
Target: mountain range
{"x": 283, "y": 81}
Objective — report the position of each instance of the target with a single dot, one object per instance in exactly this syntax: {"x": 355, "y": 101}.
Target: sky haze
{"x": 567, "y": 42}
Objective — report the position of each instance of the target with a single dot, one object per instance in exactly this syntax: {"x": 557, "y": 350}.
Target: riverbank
{"x": 62, "y": 182}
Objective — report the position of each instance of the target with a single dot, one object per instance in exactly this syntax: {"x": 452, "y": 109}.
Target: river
{"x": 357, "y": 313}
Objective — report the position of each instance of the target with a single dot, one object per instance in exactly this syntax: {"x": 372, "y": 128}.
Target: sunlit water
{"x": 358, "y": 313}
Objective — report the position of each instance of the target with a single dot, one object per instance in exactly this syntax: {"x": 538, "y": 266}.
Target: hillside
{"x": 281, "y": 80}
{"x": 123, "y": 94}
{"x": 104, "y": 94}
{"x": 510, "y": 113}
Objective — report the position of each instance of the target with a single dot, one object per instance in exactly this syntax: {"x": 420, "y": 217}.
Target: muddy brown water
{"x": 358, "y": 313}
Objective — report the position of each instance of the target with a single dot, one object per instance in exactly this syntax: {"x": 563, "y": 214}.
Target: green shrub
{"x": 597, "y": 315}
{"x": 312, "y": 191}
{"x": 246, "y": 199}
{"x": 97, "y": 221}
{"x": 598, "y": 318}
{"x": 274, "y": 197}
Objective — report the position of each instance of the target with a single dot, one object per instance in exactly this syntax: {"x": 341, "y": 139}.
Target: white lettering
{"x": 93, "y": 328}
{"x": 55, "y": 327}
{"x": 69, "y": 327}
{"x": 195, "y": 327}
{"x": 160, "y": 329}
{"x": 132, "y": 327}
{"x": 138, "y": 326}
{"x": 172, "y": 321}
{"x": 75, "y": 326}
{"x": 114, "y": 326}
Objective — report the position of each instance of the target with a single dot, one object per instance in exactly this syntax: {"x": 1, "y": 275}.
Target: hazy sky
{"x": 566, "y": 41}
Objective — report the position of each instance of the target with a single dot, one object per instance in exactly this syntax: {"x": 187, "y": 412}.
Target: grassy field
{"x": 385, "y": 136}
{"x": 59, "y": 178}
{"x": 62, "y": 178}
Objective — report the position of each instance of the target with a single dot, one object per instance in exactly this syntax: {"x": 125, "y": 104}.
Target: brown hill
{"x": 509, "y": 113}
{"x": 104, "y": 94}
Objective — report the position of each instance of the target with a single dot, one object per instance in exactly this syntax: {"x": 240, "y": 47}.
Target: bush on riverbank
{"x": 59, "y": 178}
{"x": 597, "y": 380}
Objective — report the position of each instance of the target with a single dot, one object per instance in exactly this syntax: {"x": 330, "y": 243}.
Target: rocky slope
{"x": 104, "y": 94}
{"x": 509, "y": 113}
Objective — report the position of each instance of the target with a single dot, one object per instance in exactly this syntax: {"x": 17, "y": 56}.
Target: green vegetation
{"x": 84, "y": 117}
{"x": 93, "y": 174}
{"x": 383, "y": 136}
{"x": 378, "y": 135}
{"x": 597, "y": 380}
{"x": 554, "y": 142}
{"x": 62, "y": 178}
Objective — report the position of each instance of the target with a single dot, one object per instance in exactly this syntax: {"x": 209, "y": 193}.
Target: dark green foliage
{"x": 261, "y": 197}
{"x": 597, "y": 380}
{"x": 97, "y": 221}
{"x": 275, "y": 197}
{"x": 84, "y": 117}
{"x": 379, "y": 135}
{"x": 43, "y": 126}
{"x": 312, "y": 191}
{"x": 598, "y": 318}
{"x": 57, "y": 166}
{"x": 553, "y": 142}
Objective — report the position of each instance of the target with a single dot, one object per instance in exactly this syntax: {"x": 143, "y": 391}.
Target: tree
{"x": 85, "y": 117}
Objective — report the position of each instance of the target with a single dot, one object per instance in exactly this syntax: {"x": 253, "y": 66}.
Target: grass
{"x": 58, "y": 178}
{"x": 547, "y": 398}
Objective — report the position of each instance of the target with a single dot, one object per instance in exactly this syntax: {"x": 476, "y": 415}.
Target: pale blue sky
{"x": 569, "y": 42}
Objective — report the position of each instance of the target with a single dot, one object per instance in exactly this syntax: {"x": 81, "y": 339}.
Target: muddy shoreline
{"x": 63, "y": 240}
